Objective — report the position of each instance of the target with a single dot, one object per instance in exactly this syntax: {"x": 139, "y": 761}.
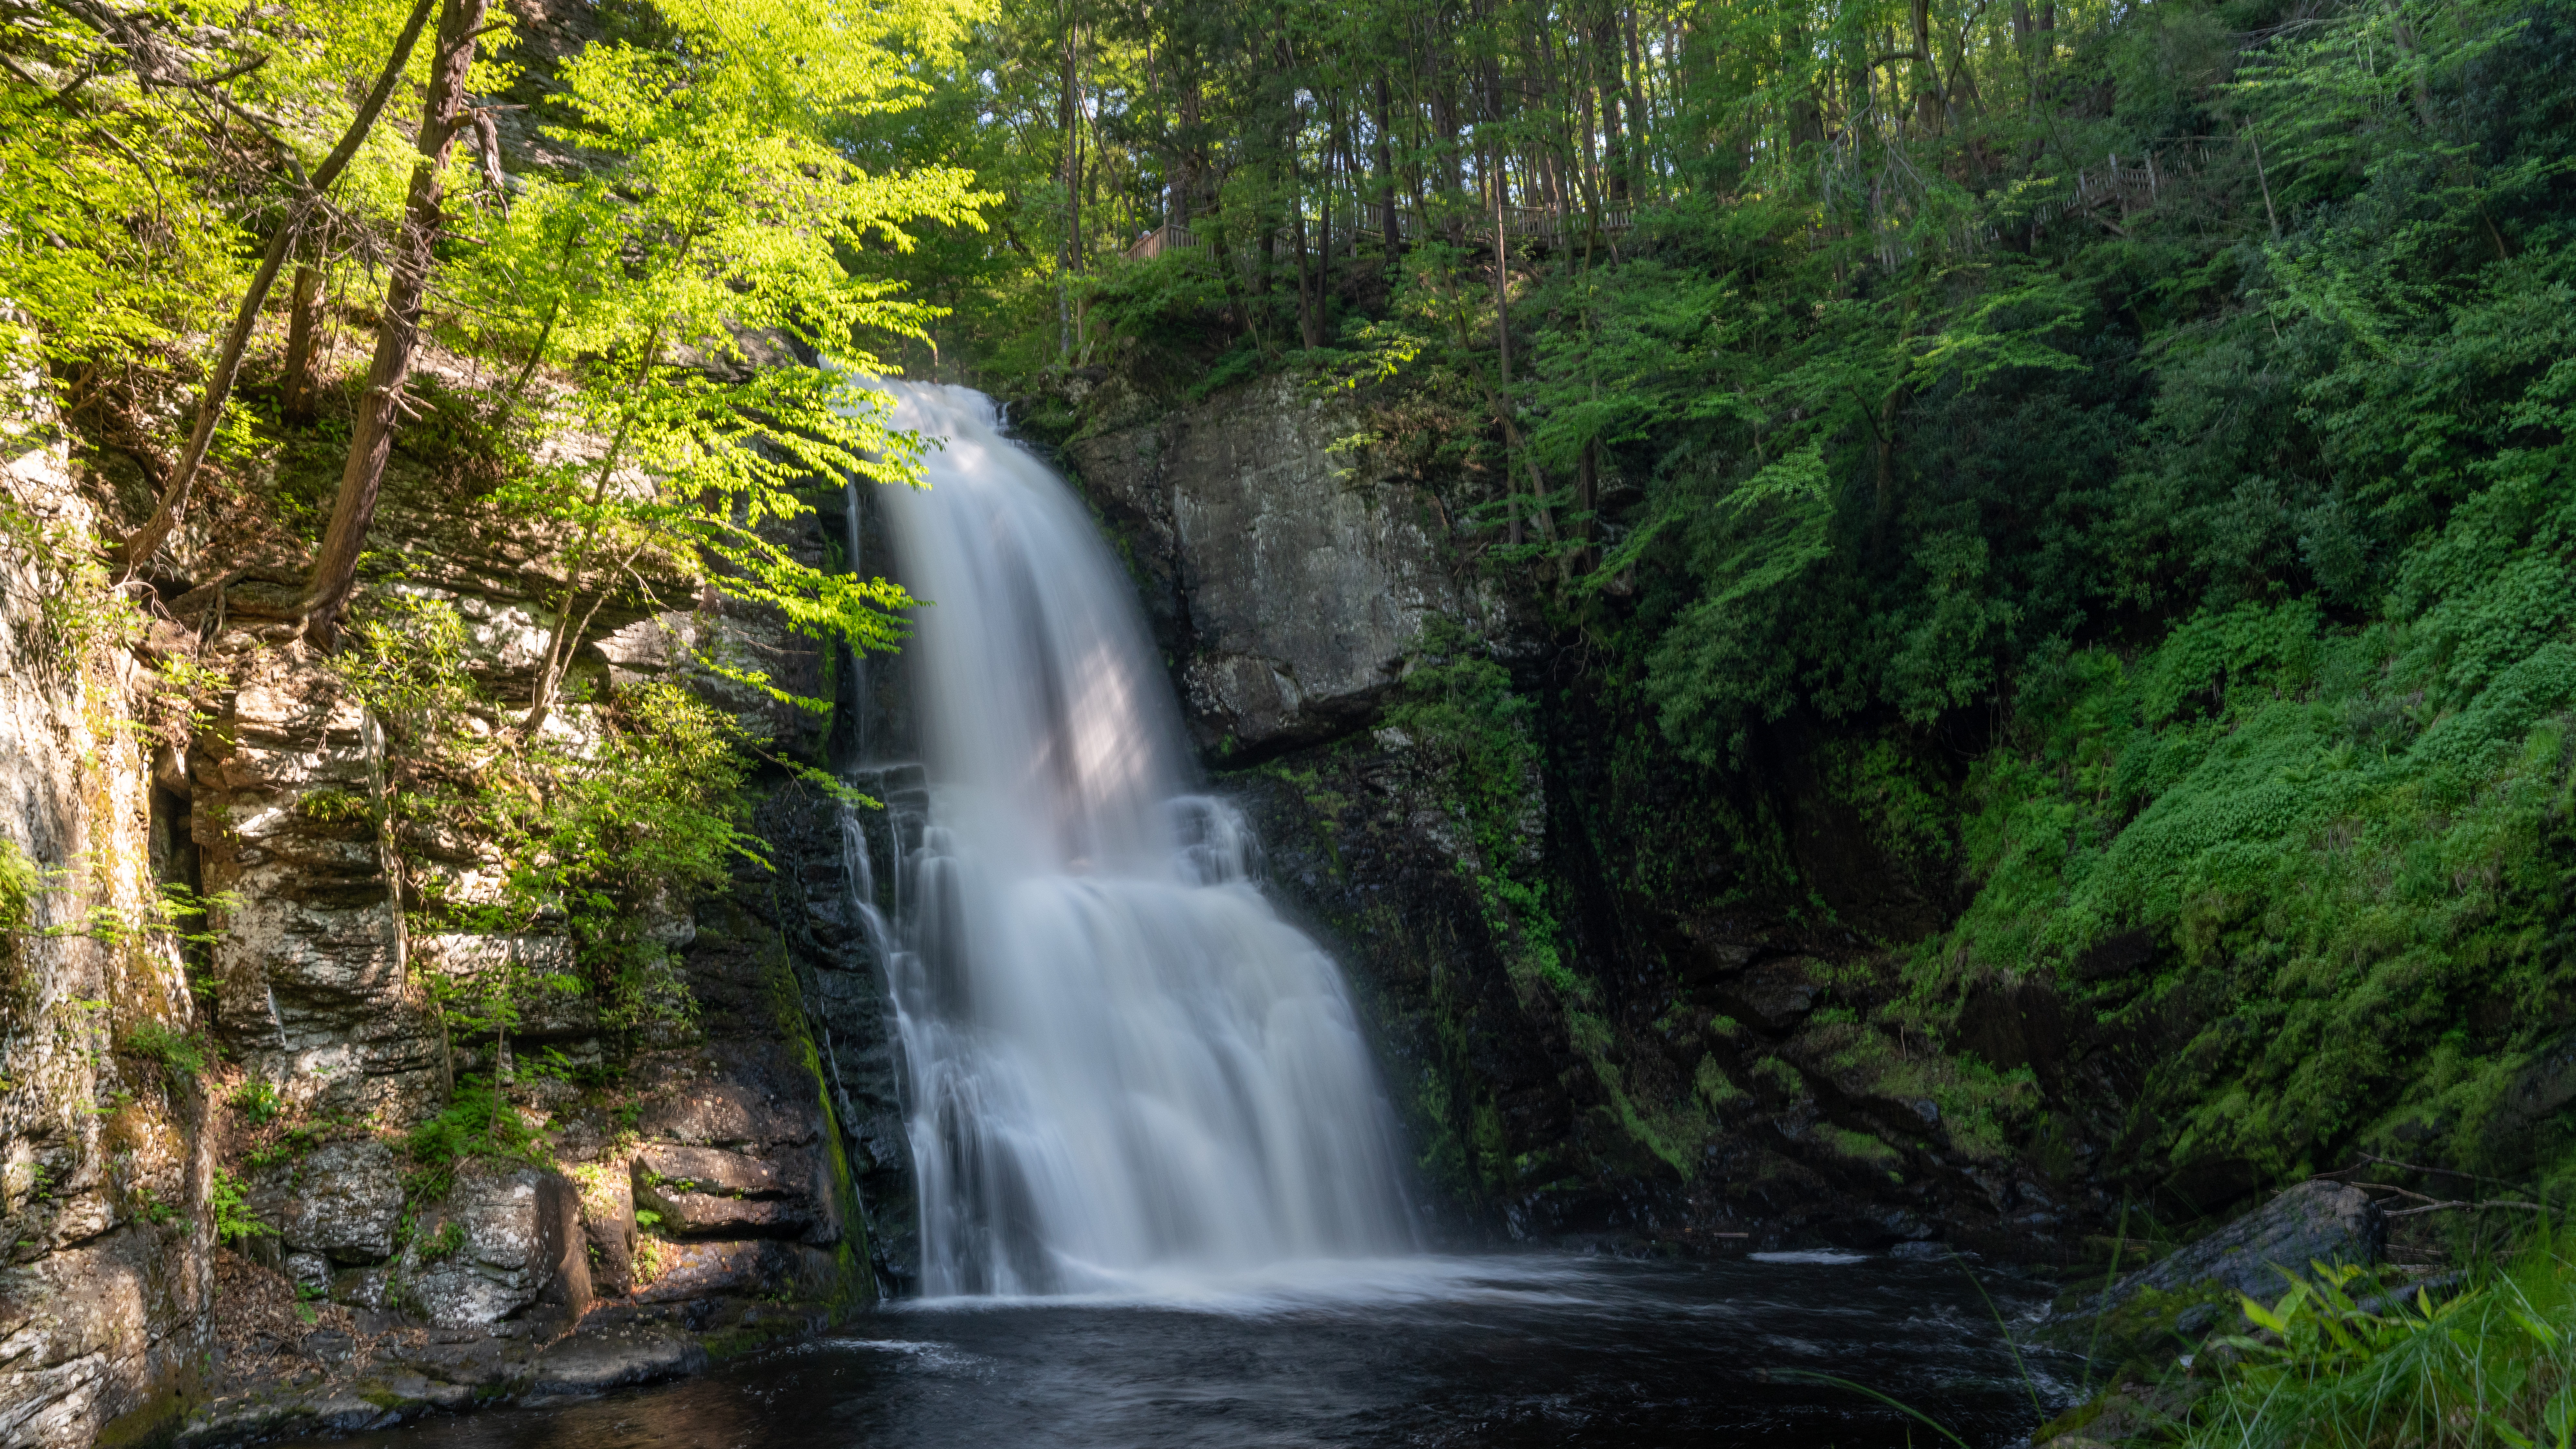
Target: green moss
{"x": 854, "y": 1278}
{"x": 751, "y": 1337}
{"x": 1781, "y": 1075}
{"x": 1710, "y": 1081}
{"x": 1858, "y": 1147}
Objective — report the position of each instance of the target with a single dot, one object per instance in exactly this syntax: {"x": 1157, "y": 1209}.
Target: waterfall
{"x": 1125, "y": 1071}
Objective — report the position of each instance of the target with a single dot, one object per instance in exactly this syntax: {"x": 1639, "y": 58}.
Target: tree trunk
{"x": 1641, "y": 108}
{"x": 1927, "y": 94}
{"x": 1614, "y": 142}
{"x": 1185, "y": 171}
{"x": 335, "y": 571}
{"x": 144, "y": 542}
{"x": 303, "y": 384}
{"x": 1385, "y": 157}
{"x": 1069, "y": 119}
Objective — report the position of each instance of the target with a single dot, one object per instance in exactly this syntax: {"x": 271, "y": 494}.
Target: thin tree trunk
{"x": 303, "y": 384}
{"x": 1069, "y": 119}
{"x": 1385, "y": 158}
{"x": 146, "y": 541}
{"x": 1310, "y": 330}
{"x": 335, "y": 570}
{"x": 1641, "y": 126}
{"x": 1614, "y": 141}
{"x": 1927, "y": 93}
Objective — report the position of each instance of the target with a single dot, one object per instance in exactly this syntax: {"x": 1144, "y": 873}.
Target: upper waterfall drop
{"x": 1126, "y": 1073}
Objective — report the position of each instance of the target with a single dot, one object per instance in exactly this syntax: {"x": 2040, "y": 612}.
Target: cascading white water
{"x": 1125, "y": 1070}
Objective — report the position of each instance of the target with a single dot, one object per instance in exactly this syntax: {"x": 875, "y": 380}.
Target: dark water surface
{"x": 1540, "y": 1350}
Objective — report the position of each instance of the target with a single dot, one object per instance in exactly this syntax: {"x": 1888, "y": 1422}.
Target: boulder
{"x": 504, "y": 1239}
{"x": 1776, "y": 994}
{"x": 706, "y": 1192}
{"x": 2314, "y": 1222}
{"x": 2539, "y": 1092}
{"x": 342, "y": 1201}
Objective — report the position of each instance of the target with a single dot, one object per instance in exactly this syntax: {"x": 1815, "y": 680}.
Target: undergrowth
{"x": 2330, "y": 1366}
{"x": 2338, "y": 851}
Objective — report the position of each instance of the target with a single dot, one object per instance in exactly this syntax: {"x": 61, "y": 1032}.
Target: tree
{"x": 335, "y": 569}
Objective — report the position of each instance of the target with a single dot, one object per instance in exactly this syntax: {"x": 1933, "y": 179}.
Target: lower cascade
{"x": 1126, "y": 1073}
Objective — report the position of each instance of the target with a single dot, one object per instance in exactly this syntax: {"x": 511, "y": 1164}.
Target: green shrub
{"x": 176, "y": 1050}
{"x": 478, "y": 1121}
{"x": 21, "y": 881}
{"x": 258, "y": 1102}
{"x": 2332, "y": 1366}
{"x": 235, "y": 1223}
{"x": 443, "y": 1244}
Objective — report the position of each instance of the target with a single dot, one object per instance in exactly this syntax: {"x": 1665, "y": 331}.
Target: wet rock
{"x": 252, "y": 1418}
{"x": 593, "y": 1363}
{"x": 503, "y": 1240}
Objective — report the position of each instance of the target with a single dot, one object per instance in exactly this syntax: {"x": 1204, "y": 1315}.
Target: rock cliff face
{"x": 104, "y": 1161}
{"x": 1285, "y": 580}
{"x": 282, "y": 1066}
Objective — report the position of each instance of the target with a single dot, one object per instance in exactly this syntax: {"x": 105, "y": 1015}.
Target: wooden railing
{"x": 2125, "y": 186}
{"x": 1536, "y": 224}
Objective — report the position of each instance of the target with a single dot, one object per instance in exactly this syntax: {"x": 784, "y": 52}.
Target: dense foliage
{"x": 2163, "y": 410}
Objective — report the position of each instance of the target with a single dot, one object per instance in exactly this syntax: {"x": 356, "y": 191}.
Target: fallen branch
{"x": 2528, "y": 1207}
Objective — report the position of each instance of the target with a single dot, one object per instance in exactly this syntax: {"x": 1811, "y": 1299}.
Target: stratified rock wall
{"x": 693, "y": 1186}
{"x": 104, "y": 1282}
{"x": 312, "y": 982}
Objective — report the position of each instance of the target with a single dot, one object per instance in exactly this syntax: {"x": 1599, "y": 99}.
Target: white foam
{"x": 1327, "y": 1285}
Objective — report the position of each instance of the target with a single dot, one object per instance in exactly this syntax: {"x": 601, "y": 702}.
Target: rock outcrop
{"x": 284, "y": 1063}
{"x": 104, "y": 1169}
{"x": 2315, "y": 1222}
{"x": 1284, "y": 577}
{"x": 498, "y": 1242}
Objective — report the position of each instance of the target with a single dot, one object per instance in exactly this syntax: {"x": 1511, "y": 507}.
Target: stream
{"x": 1510, "y": 1351}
